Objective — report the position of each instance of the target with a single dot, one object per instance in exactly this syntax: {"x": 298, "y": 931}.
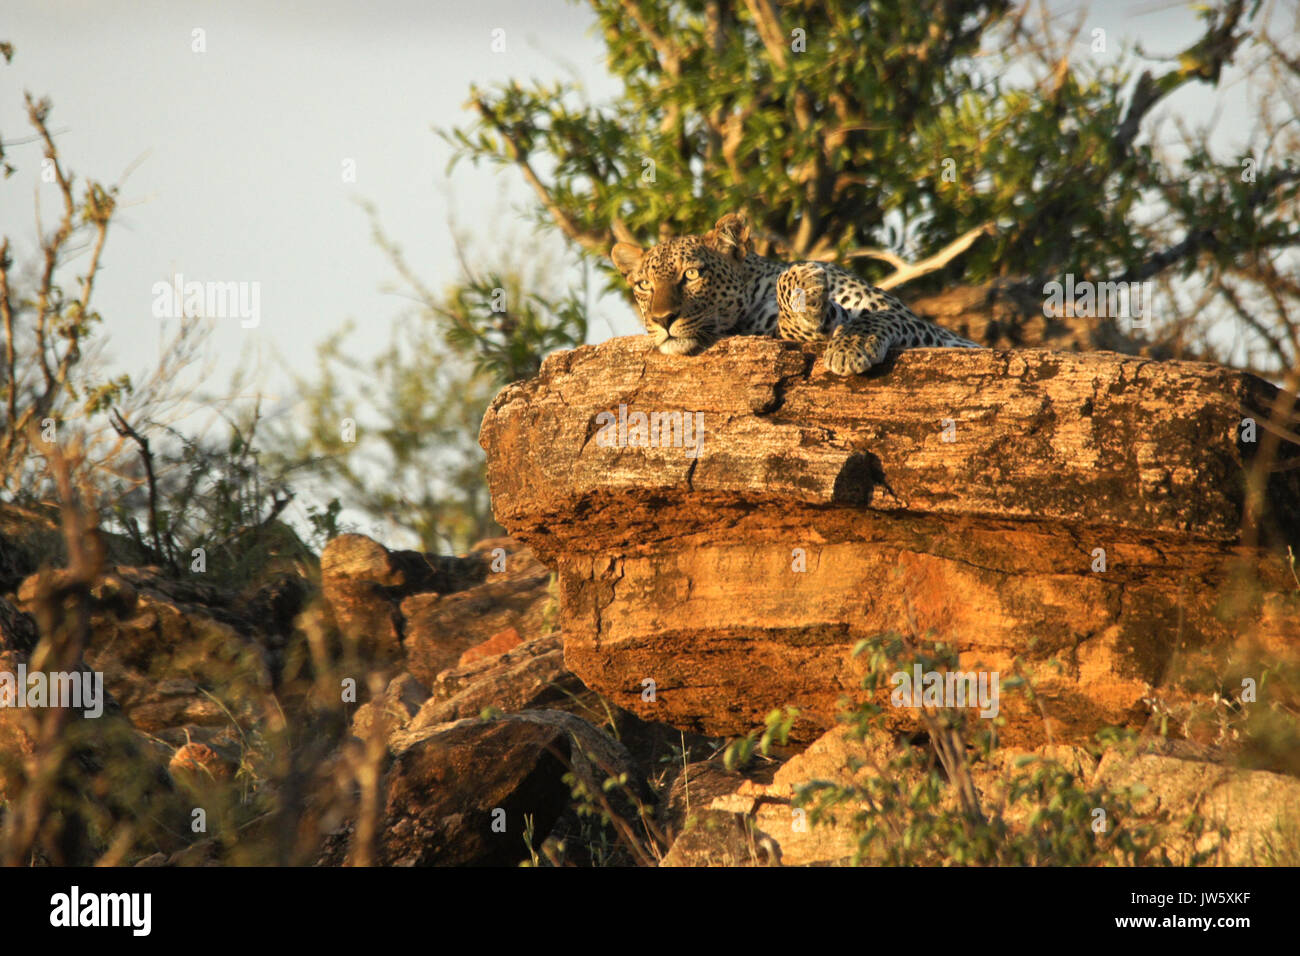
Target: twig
{"x": 126, "y": 431}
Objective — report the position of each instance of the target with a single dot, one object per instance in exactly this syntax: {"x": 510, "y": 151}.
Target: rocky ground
{"x": 565, "y": 695}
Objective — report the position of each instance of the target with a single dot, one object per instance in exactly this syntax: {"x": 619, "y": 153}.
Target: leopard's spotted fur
{"x": 694, "y": 290}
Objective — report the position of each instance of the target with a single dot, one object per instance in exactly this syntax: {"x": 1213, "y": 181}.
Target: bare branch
{"x": 126, "y": 431}
{"x": 36, "y": 113}
{"x": 591, "y": 241}
{"x": 904, "y": 273}
{"x": 7, "y": 314}
{"x": 1248, "y": 318}
{"x": 1204, "y": 239}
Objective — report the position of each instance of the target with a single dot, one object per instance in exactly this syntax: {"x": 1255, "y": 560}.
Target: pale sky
{"x": 238, "y": 151}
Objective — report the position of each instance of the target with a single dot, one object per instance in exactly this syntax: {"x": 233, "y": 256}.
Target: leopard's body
{"x": 693, "y": 290}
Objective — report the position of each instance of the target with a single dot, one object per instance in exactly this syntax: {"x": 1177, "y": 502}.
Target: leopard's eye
{"x": 692, "y": 273}
{"x": 643, "y": 285}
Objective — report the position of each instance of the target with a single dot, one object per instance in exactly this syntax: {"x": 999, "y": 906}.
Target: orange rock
{"x": 195, "y": 760}
{"x": 1078, "y": 512}
{"x": 498, "y": 643}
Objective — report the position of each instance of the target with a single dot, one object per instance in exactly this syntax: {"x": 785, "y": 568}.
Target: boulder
{"x": 529, "y": 676}
{"x": 393, "y": 710}
{"x": 1080, "y": 513}
{"x": 719, "y": 838}
{"x": 1252, "y": 817}
{"x": 364, "y": 583}
{"x": 835, "y": 757}
{"x": 445, "y": 792}
{"x": 463, "y": 793}
{"x": 495, "y": 645}
{"x": 422, "y": 612}
{"x": 1248, "y": 817}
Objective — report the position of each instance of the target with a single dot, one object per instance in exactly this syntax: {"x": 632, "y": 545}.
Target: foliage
{"x": 215, "y": 508}
{"x": 47, "y": 328}
{"x": 1005, "y": 145}
{"x": 776, "y": 730}
{"x": 921, "y": 807}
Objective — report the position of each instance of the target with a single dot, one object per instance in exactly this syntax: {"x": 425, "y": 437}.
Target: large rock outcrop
{"x": 1078, "y": 513}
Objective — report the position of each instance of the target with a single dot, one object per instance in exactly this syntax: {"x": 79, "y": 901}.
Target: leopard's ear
{"x": 626, "y": 257}
{"x": 730, "y": 236}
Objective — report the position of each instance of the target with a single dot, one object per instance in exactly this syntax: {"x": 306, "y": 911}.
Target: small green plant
{"x": 529, "y": 834}
{"x": 777, "y": 726}
{"x": 615, "y": 827}
{"x": 922, "y": 805}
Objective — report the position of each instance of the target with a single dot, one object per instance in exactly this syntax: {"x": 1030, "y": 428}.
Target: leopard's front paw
{"x": 853, "y": 353}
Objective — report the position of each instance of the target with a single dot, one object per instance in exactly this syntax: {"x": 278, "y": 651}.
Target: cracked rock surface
{"x": 1080, "y": 512}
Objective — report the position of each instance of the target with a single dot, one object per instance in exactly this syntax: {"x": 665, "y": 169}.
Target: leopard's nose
{"x": 665, "y": 319}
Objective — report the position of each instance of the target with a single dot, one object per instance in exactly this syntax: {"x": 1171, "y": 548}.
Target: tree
{"x": 961, "y": 142}
{"x": 45, "y": 328}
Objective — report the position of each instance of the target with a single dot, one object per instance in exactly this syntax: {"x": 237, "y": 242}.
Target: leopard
{"x": 695, "y": 290}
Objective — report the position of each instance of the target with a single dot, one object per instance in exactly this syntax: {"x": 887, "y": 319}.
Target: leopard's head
{"x": 690, "y": 290}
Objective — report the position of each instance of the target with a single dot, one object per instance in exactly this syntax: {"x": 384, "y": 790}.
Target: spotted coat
{"x": 694, "y": 290}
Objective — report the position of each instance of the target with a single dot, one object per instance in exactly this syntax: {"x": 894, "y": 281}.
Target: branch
{"x": 62, "y": 610}
{"x": 1203, "y": 239}
{"x": 667, "y": 54}
{"x": 36, "y": 113}
{"x": 621, "y": 232}
{"x": 1291, "y": 63}
{"x": 904, "y": 272}
{"x": 591, "y": 241}
{"x": 126, "y": 431}
{"x": 815, "y": 174}
{"x": 1204, "y": 60}
{"x": 1249, "y": 318}
{"x": 7, "y": 314}
{"x": 98, "y": 209}
{"x": 669, "y": 60}
{"x": 1145, "y": 95}
{"x": 1196, "y": 241}
{"x": 769, "y": 30}
{"x": 715, "y": 38}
